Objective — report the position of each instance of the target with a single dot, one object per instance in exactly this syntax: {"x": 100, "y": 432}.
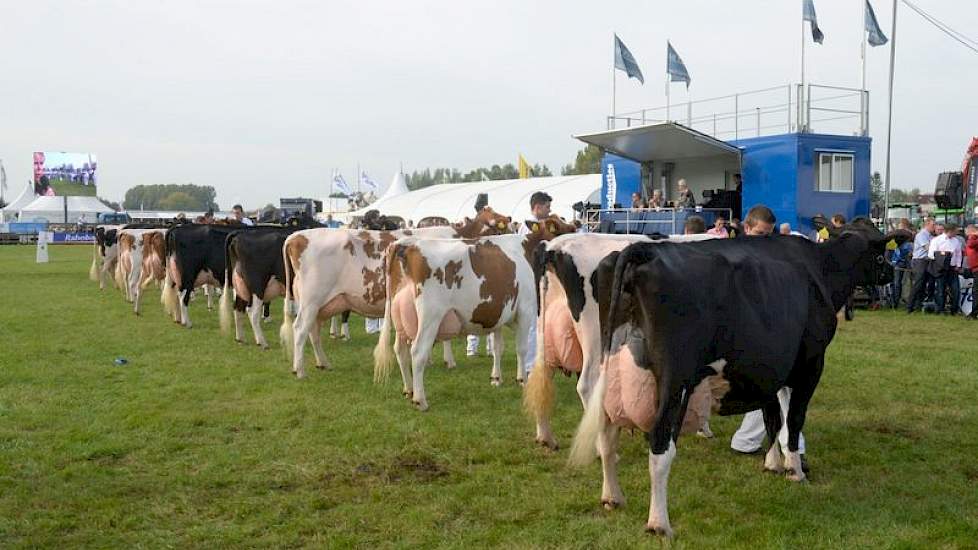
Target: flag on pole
{"x": 625, "y": 61}
{"x": 3, "y": 177}
{"x": 341, "y": 184}
{"x": 876, "y": 36}
{"x": 675, "y": 66}
{"x": 524, "y": 168}
{"x": 808, "y": 14}
{"x": 367, "y": 182}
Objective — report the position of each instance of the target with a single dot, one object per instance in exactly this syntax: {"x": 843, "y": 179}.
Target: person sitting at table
{"x": 719, "y": 228}
{"x": 657, "y": 201}
{"x": 637, "y": 202}
{"x": 685, "y": 199}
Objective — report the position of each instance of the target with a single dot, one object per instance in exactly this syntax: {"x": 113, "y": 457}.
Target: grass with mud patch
{"x": 202, "y": 442}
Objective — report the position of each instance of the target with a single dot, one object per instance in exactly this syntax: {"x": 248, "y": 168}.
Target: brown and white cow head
{"x": 487, "y": 222}
{"x": 545, "y": 230}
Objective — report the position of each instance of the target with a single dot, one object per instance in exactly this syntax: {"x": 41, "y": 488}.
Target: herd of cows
{"x": 660, "y": 330}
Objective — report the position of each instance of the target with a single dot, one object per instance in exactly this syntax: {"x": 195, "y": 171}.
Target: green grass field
{"x": 201, "y": 442}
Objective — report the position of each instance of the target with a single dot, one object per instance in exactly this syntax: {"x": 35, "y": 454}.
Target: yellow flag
{"x": 524, "y": 168}
{"x": 823, "y": 233}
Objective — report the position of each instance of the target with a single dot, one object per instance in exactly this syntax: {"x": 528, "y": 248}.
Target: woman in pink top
{"x": 719, "y": 228}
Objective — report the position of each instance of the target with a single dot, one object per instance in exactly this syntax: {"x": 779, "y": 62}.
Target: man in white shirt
{"x": 238, "y": 213}
{"x": 918, "y": 264}
{"x": 946, "y": 252}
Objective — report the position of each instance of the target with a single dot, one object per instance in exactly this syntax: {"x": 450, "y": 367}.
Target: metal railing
{"x": 767, "y": 111}
{"x": 671, "y": 225}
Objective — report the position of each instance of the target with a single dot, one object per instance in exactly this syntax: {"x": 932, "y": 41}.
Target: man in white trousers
{"x": 749, "y": 438}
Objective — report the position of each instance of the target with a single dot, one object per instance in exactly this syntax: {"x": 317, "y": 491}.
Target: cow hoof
{"x": 611, "y": 504}
{"x": 322, "y": 367}
{"x": 549, "y": 444}
{"x": 659, "y": 531}
{"x": 420, "y": 406}
{"x": 347, "y": 338}
{"x": 797, "y": 478}
{"x": 450, "y": 366}
{"x": 705, "y": 434}
{"x": 774, "y": 470}
{"x": 300, "y": 375}
{"x": 264, "y": 347}
{"x": 407, "y": 393}
{"x": 521, "y": 382}
{"x": 495, "y": 381}
{"x": 238, "y": 340}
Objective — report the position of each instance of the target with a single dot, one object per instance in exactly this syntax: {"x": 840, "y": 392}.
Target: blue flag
{"x": 808, "y": 14}
{"x": 625, "y": 61}
{"x": 876, "y": 36}
{"x": 365, "y": 181}
{"x": 675, "y": 66}
{"x": 340, "y": 183}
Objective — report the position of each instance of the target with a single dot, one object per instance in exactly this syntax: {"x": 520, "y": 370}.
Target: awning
{"x": 666, "y": 141}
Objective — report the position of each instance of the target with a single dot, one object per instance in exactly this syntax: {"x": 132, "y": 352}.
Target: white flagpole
{"x": 802, "y": 123}
{"x": 889, "y": 123}
{"x": 614, "y": 81}
{"x": 862, "y": 89}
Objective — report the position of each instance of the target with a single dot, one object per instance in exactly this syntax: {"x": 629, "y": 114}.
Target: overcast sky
{"x": 265, "y": 99}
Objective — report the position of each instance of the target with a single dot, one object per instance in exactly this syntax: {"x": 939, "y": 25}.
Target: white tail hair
{"x": 225, "y": 308}
{"x": 540, "y": 393}
{"x": 383, "y": 362}
{"x": 286, "y": 333}
{"x": 583, "y": 449}
{"x": 171, "y": 300}
{"x": 93, "y": 271}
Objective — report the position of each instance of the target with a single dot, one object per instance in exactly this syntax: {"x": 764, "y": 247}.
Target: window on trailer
{"x": 835, "y": 172}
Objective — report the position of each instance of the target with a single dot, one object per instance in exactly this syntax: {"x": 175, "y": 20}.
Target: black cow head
{"x": 867, "y": 244}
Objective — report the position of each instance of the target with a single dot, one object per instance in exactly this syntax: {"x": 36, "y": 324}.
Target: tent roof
{"x": 22, "y": 200}
{"x": 397, "y": 187}
{"x": 454, "y": 201}
{"x": 664, "y": 141}
{"x": 75, "y": 204}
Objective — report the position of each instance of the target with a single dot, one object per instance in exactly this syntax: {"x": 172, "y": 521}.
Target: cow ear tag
{"x": 891, "y": 245}
{"x": 501, "y": 225}
{"x": 551, "y": 228}
{"x": 536, "y": 227}
{"x": 732, "y": 234}
{"x": 823, "y": 233}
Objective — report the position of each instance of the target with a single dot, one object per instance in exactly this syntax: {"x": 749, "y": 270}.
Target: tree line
{"x": 587, "y": 161}
{"x": 171, "y": 197}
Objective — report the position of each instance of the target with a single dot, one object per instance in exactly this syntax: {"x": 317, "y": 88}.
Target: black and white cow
{"x": 746, "y": 316}
{"x": 105, "y": 254}
{"x": 255, "y": 271}
{"x": 195, "y": 256}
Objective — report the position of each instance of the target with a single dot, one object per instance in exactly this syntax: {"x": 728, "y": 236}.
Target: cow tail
{"x": 582, "y": 450}
{"x": 614, "y": 307}
{"x": 538, "y": 399}
{"x": 120, "y": 276}
{"x": 286, "y": 333}
{"x": 383, "y": 362}
{"x": 170, "y": 297}
{"x": 93, "y": 271}
{"x": 226, "y": 307}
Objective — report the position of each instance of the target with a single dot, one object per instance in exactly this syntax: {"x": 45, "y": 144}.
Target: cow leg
{"x": 772, "y": 426}
{"x": 662, "y": 451}
{"x": 334, "y": 327}
{"x": 611, "y": 495}
{"x": 447, "y": 355}
{"x": 184, "y": 310}
{"x": 209, "y": 292}
{"x": 345, "y": 328}
{"x": 421, "y": 354}
{"x": 403, "y": 353}
{"x": 315, "y": 337}
{"x": 802, "y": 389}
{"x": 238, "y": 321}
{"x": 497, "y": 358}
{"x": 302, "y": 325}
{"x": 255, "y": 316}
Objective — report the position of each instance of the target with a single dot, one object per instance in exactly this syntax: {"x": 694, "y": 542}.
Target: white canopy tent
{"x": 52, "y": 209}
{"x": 454, "y": 201}
{"x": 10, "y": 211}
{"x": 397, "y": 187}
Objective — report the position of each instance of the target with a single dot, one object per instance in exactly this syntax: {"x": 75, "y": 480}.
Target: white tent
{"x": 454, "y": 201}
{"x": 397, "y": 187}
{"x": 52, "y": 209}
{"x": 26, "y": 197}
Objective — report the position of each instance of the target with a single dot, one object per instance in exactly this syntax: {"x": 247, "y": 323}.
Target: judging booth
{"x": 796, "y": 172}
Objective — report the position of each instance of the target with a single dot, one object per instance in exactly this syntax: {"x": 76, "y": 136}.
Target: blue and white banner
{"x": 368, "y": 183}
{"x": 808, "y": 14}
{"x": 876, "y": 36}
{"x": 73, "y": 238}
{"x": 675, "y": 66}
{"x": 625, "y": 61}
{"x": 340, "y": 184}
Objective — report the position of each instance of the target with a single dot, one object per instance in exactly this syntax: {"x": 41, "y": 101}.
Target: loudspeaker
{"x": 949, "y": 191}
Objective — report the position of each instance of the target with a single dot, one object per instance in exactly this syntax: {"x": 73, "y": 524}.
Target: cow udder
{"x": 405, "y": 319}
{"x": 631, "y": 397}
{"x": 563, "y": 350}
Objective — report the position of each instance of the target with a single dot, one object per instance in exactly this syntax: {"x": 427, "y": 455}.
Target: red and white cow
{"x": 568, "y": 329}
{"x": 441, "y": 288}
{"x": 329, "y": 271}
{"x": 140, "y": 261}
